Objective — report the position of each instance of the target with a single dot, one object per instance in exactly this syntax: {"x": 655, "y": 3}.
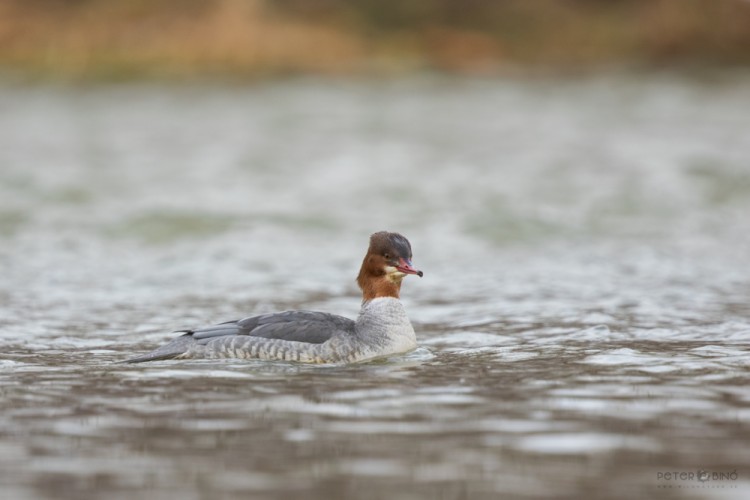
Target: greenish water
{"x": 584, "y": 319}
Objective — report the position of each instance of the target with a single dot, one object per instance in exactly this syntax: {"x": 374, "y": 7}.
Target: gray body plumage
{"x": 381, "y": 329}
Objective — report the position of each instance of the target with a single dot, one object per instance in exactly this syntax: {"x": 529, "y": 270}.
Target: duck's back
{"x": 281, "y": 335}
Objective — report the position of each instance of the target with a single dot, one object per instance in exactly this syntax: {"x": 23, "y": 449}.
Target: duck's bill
{"x": 406, "y": 267}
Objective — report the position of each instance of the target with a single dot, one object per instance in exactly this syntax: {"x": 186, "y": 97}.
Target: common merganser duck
{"x": 381, "y": 329}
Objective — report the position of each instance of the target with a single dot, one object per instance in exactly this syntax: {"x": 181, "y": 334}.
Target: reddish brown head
{"x": 387, "y": 261}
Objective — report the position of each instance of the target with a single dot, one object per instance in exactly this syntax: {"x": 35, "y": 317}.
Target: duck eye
{"x": 387, "y": 255}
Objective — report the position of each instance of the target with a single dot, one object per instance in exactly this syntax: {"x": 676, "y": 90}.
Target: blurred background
{"x": 252, "y": 38}
{"x": 574, "y": 177}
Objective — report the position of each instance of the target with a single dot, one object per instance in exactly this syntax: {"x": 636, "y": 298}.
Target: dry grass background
{"x": 182, "y": 38}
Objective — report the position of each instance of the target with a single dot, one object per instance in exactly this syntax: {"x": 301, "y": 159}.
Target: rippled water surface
{"x": 584, "y": 319}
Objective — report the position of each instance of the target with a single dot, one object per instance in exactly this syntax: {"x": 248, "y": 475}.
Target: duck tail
{"x": 172, "y": 350}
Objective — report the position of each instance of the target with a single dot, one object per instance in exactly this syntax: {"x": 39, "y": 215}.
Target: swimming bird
{"x": 381, "y": 329}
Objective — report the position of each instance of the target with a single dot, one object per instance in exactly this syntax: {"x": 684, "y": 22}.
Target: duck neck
{"x": 378, "y": 286}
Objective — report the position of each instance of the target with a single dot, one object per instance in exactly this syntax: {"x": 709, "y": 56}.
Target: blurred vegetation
{"x": 130, "y": 38}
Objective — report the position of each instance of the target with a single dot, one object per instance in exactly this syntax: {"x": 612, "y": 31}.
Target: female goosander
{"x": 381, "y": 329}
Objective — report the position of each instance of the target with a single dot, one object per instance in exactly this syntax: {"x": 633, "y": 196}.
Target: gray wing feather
{"x": 210, "y": 332}
{"x": 313, "y": 332}
{"x": 299, "y": 326}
